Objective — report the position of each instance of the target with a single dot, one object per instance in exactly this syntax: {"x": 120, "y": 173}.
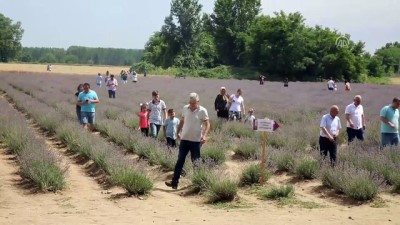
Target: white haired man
{"x": 192, "y": 131}
{"x": 355, "y": 120}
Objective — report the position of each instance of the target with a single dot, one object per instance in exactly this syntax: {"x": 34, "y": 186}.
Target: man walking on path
{"x": 193, "y": 130}
{"x": 88, "y": 99}
{"x": 355, "y": 120}
{"x": 390, "y": 123}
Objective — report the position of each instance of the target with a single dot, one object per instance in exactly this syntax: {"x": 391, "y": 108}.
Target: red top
{"x": 144, "y": 122}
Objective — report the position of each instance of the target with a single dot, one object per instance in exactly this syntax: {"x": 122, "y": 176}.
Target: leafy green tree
{"x": 10, "y": 38}
{"x": 231, "y": 20}
{"x": 390, "y": 55}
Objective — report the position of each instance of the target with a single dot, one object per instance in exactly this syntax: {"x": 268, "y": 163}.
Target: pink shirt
{"x": 112, "y": 84}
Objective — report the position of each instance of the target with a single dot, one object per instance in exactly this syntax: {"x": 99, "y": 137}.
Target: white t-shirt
{"x": 99, "y": 79}
{"x": 332, "y": 125}
{"x": 331, "y": 84}
{"x": 355, "y": 113}
{"x": 237, "y": 102}
{"x": 249, "y": 120}
{"x": 156, "y": 112}
{"x": 193, "y": 123}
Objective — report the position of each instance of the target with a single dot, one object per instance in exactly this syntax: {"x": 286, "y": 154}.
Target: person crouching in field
{"x": 143, "y": 119}
{"x": 88, "y": 99}
{"x": 347, "y": 85}
{"x": 170, "y": 128}
{"x": 330, "y": 126}
{"x": 194, "y": 126}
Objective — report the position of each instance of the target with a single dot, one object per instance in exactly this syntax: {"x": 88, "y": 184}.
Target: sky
{"x": 130, "y": 23}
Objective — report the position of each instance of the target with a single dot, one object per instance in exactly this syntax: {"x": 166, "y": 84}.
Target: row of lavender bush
{"x": 37, "y": 162}
{"x": 123, "y": 172}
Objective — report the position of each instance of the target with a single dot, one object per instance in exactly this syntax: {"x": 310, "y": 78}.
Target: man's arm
{"x": 349, "y": 120}
{"x": 206, "y": 124}
{"x": 180, "y": 127}
{"x": 327, "y": 133}
{"x": 385, "y": 120}
{"x": 363, "y": 120}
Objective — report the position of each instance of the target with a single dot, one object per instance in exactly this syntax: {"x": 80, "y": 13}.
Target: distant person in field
{"x": 106, "y": 78}
{"x": 331, "y": 84}
{"x": 221, "y": 104}
{"x": 286, "y": 82}
{"x": 143, "y": 119}
{"x": 125, "y": 77}
{"x": 79, "y": 89}
{"x": 171, "y": 128}
{"x": 330, "y": 126}
{"x": 88, "y": 99}
{"x": 112, "y": 84}
{"x": 134, "y": 76}
{"x": 355, "y": 120}
{"x": 157, "y": 114}
{"x": 347, "y": 85}
{"x": 250, "y": 117}
{"x": 261, "y": 78}
{"x": 49, "y": 68}
{"x": 145, "y": 73}
{"x": 192, "y": 131}
{"x": 99, "y": 80}
{"x": 237, "y": 105}
{"x": 390, "y": 123}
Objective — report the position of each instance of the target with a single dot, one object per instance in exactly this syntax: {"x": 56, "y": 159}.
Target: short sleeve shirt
{"x": 83, "y": 96}
{"x": 171, "y": 127}
{"x": 156, "y": 112}
{"x": 112, "y": 84}
{"x": 332, "y": 125}
{"x": 193, "y": 123}
{"x": 393, "y": 116}
{"x": 237, "y": 102}
{"x": 355, "y": 113}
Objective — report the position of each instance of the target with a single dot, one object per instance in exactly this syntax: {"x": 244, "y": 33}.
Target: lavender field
{"x": 231, "y": 156}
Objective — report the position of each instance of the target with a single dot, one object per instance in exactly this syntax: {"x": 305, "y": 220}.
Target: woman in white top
{"x": 237, "y": 106}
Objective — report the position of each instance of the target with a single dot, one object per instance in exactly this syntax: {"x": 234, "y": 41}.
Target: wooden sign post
{"x": 264, "y": 125}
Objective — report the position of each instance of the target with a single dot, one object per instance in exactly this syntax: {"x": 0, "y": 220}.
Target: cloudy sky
{"x": 130, "y": 23}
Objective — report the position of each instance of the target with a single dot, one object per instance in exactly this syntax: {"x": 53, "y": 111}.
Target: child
{"x": 99, "y": 79}
{"x": 250, "y": 117}
{"x": 143, "y": 120}
{"x": 170, "y": 128}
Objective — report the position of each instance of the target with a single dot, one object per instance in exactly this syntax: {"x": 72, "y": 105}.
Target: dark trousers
{"x": 111, "y": 94}
{"x": 326, "y": 146}
{"x": 145, "y": 131}
{"x": 171, "y": 142}
{"x": 184, "y": 148}
{"x": 353, "y": 133}
{"x": 224, "y": 114}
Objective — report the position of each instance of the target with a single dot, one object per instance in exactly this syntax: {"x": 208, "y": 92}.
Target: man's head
{"x": 155, "y": 95}
{"x": 99, "y": 74}
{"x": 193, "y": 100}
{"x": 334, "y": 111}
{"x": 239, "y": 92}
{"x": 171, "y": 113}
{"x": 86, "y": 87}
{"x": 357, "y": 100}
{"x": 396, "y": 103}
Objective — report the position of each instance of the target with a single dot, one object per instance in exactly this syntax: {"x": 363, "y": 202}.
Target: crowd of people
{"x": 193, "y": 126}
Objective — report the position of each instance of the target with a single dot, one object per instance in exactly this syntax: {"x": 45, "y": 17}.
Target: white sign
{"x": 264, "y": 125}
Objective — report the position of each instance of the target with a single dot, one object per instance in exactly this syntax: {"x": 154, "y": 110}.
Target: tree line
{"x": 236, "y": 34}
{"x": 81, "y": 55}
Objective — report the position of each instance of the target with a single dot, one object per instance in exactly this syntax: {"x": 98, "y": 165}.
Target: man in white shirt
{"x": 330, "y": 126}
{"x": 193, "y": 130}
{"x": 355, "y": 120}
{"x": 331, "y": 84}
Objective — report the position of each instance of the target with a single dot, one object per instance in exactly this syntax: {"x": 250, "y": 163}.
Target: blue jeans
{"x": 184, "y": 148}
{"x": 390, "y": 139}
{"x": 353, "y": 133}
{"x": 154, "y": 130}
{"x": 88, "y": 117}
